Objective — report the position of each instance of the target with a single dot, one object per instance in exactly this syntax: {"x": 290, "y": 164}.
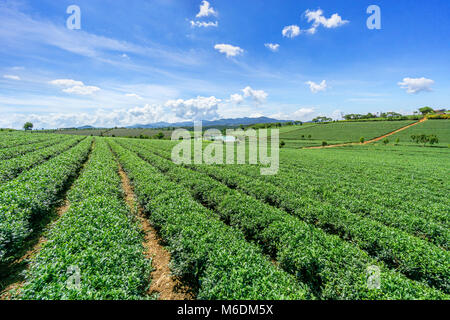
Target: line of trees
{"x": 357, "y": 116}
{"x": 272, "y": 125}
{"x": 321, "y": 119}
{"x": 424, "y": 139}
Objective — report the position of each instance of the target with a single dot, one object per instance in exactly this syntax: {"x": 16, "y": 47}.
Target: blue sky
{"x": 171, "y": 60}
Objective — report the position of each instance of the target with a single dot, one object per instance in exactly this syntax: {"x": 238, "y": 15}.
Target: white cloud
{"x": 319, "y": 20}
{"x": 172, "y": 111}
{"x": 416, "y": 85}
{"x": 66, "y": 83}
{"x": 76, "y": 87}
{"x": 195, "y": 109}
{"x": 228, "y": 49}
{"x": 116, "y": 110}
{"x": 11, "y": 77}
{"x": 206, "y": 10}
{"x": 146, "y": 114}
{"x": 236, "y": 98}
{"x": 302, "y": 113}
{"x": 336, "y": 115}
{"x": 272, "y": 46}
{"x": 315, "y": 88}
{"x": 133, "y": 95}
{"x": 258, "y": 95}
{"x": 204, "y": 24}
{"x": 299, "y": 114}
{"x": 291, "y": 31}
{"x": 82, "y": 90}
{"x": 97, "y": 118}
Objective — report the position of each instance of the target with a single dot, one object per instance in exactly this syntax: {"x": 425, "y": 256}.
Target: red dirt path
{"x": 369, "y": 141}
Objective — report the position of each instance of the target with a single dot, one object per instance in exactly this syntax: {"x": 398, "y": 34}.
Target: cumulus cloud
{"x": 206, "y": 10}
{"x": 337, "y": 114}
{"x": 176, "y": 110}
{"x": 204, "y": 24}
{"x": 416, "y": 85}
{"x": 302, "y": 113}
{"x": 258, "y": 96}
{"x": 272, "y": 46}
{"x": 11, "y": 77}
{"x": 319, "y": 20}
{"x": 315, "y": 87}
{"x": 195, "y": 109}
{"x": 299, "y": 114}
{"x": 97, "y": 118}
{"x": 147, "y": 114}
{"x": 291, "y": 31}
{"x": 236, "y": 98}
{"x": 228, "y": 49}
{"x": 74, "y": 86}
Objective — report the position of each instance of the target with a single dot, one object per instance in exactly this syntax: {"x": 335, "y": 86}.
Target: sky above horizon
{"x": 138, "y": 62}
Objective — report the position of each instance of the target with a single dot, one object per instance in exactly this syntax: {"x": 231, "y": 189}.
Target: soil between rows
{"x": 10, "y": 285}
{"x": 162, "y": 282}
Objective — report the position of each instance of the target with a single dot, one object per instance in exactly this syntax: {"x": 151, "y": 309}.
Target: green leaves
{"x": 98, "y": 235}
{"x": 333, "y": 268}
{"x": 12, "y": 167}
{"x": 212, "y": 256}
{"x": 34, "y": 194}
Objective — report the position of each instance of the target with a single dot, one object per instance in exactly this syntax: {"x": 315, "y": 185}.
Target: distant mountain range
{"x": 205, "y": 123}
{"x": 209, "y": 123}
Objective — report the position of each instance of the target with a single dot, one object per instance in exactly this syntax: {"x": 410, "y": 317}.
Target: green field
{"x": 286, "y": 129}
{"x": 315, "y": 230}
{"x": 441, "y": 128}
{"x": 340, "y": 132}
{"x": 138, "y": 132}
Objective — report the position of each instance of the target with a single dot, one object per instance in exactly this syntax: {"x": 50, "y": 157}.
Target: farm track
{"x": 212, "y": 256}
{"x": 162, "y": 282}
{"x": 371, "y": 140}
{"x": 11, "y": 285}
{"x": 198, "y": 187}
{"x": 392, "y": 264}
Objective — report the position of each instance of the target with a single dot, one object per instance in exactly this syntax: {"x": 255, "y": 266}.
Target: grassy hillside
{"x": 441, "y": 128}
{"x": 286, "y": 129}
{"x": 345, "y": 131}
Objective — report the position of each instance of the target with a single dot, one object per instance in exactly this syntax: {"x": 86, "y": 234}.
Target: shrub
{"x": 424, "y": 139}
